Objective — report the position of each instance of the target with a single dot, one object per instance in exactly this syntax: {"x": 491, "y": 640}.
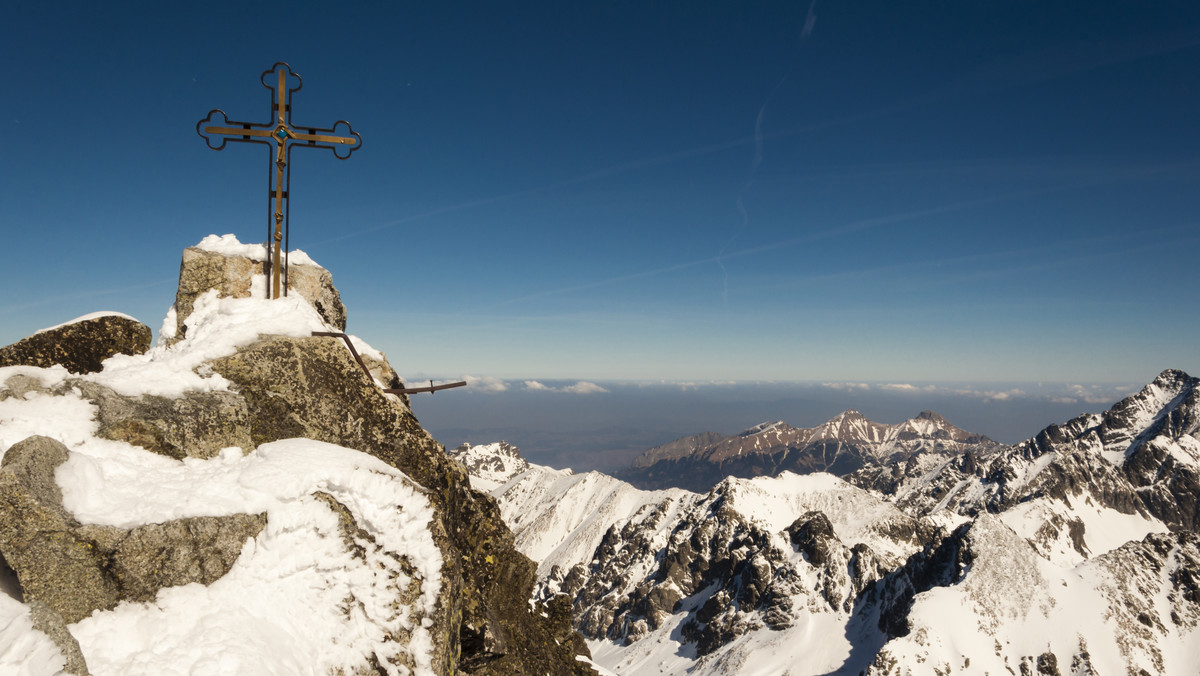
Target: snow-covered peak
{"x": 851, "y": 426}
{"x": 490, "y": 465}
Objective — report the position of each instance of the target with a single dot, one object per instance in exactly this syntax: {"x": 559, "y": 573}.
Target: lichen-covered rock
{"x": 232, "y": 277}
{"x": 198, "y": 425}
{"x": 196, "y": 549}
{"x": 80, "y": 346}
{"x": 76, "y": 569}
{"x": 54, "y": 562}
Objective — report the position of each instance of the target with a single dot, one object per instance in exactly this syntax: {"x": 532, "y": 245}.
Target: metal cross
{"x": 279, "y": 132}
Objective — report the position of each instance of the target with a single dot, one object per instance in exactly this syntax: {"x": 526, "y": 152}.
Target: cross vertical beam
{"x": 281, "y": 134}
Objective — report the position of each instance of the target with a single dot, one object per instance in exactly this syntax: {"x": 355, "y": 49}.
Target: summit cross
{"x": 280, "y": 133}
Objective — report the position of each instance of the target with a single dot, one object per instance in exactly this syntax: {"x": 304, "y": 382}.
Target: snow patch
{"x": 25, "y": 651}
{"x": 87, "y": 317}
{"x": 228, "y": 245}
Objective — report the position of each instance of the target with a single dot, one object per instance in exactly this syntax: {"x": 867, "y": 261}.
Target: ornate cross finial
{"x": 279, "y": 132}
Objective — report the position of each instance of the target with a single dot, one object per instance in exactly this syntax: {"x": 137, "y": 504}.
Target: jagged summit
{"x": 490, "y": 465}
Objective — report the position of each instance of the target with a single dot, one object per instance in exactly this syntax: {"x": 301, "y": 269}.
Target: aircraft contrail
{"x": 810, "y": 20}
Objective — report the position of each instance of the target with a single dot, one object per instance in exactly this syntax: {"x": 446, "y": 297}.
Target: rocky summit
{"x": 243, "y": 498}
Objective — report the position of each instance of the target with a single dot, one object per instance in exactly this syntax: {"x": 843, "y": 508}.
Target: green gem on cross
{"x": 282, "y": 133}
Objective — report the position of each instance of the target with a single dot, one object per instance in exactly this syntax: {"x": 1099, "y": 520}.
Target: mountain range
{"x": 839, "y": 446}
{"x": 1074, "y": 552}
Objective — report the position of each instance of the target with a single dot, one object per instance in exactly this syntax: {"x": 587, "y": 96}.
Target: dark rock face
{"x": 680, "y": 448}
{"x": 942, "y": 563}
{"x": 75, "y": 569}
{"x": 79, "y": 347}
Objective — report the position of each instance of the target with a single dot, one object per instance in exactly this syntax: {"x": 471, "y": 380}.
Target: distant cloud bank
{"x": 1062, "y": 393}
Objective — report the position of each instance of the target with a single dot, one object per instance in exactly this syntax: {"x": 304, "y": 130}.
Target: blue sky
{"x": 873, "y": 191}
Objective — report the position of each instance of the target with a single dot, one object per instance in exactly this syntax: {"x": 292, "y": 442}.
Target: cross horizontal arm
{"x": 324, "y": 138}
{"x": 237, "y": 131}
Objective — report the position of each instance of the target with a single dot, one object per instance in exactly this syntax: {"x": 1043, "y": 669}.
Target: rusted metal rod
{"x": 431, "y": 388}
{"x": 390, "y": 390}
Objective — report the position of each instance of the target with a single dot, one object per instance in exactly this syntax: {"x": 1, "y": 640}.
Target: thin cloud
{"x": 581, "y": 387}
{"x": 584, "y": 387}
{"x": 485, "y": 384}
{"x": 847, "y": 387}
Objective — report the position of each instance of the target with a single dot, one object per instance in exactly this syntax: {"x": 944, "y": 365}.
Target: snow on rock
{"x": 24, "y": 650}
{"x": 677, "y": 582}
{"x": 88, "y": 317}
{"x": 557, "y": 516}
{"x": 236, "y": 270}
{"x": 1010, "y": 611}
{"x": 840, "y": 446}
{"x": 228, "y": 245}
{"x": 343, "y": 572}
{"x": 305, "y": 596}
{"x": 300, "y": 599}
{"x": 856, "y": 515}
{"x": 216, "y": 328}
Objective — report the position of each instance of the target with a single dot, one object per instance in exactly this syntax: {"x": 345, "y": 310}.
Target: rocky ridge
{"x": 240, "y": 388}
